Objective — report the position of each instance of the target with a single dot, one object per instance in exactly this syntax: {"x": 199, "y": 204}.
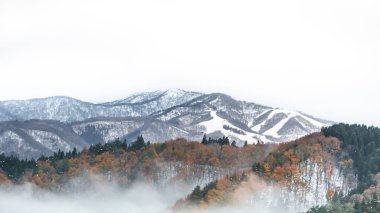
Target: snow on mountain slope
{"x": 57, "y": 108}
{"x": 244, "y": 121}
{"x": 12, "y": 144}
{"x": 225, "y": 128}
{"x": 68, "y": 109}
{"x": 166, "y": 99}
{"x": 31, "y": 139}
{"x": 138, "y": 98}
{"x": 158, "y": 116}
{"x": 50, "y": 140}
{"x": 103, "y": 130}
{"x": 280, "y": 124}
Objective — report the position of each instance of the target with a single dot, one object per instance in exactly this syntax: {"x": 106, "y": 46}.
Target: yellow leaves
{"x": 151, "y": 153}
{"x": 290, "y": 154}
{"x": 147, "y": 166}
{"x": 267, "y": 171}
{"x": 132, "y": 158}
{"x": 76, "y": 165}
{"x": 278, "y": 173}
{"x": 188, "y": 158}
{"x": 37, "y": 180}
{"x": 45, "y": 179}
{"x": 347, "y": 164}
{"x": 203, "y": 204}
{"x": 330, "y": 194}
{"x": 317, "y": 146}
{"x": 215, "y": 196}
{"x": 3, "y": 179}
{"x": 104, "y": 162}
{"x": 214, "y": 162}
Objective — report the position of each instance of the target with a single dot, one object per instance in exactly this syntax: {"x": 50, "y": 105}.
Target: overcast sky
{"x": 320, "y": 57}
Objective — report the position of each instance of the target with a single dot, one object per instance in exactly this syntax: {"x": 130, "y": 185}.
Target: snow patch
{"x": 216, "y": 124}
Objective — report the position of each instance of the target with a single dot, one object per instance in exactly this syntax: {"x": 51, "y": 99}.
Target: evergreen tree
{"x": 196, "y": 194}
{"x": 363, "y": 145}
{"x": 138, "y": 144}
{"x": 204, "y": 140}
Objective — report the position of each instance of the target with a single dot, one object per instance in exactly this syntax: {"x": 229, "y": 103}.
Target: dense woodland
{"x": 218, "y": 192}
{"x": 282, "y": 167}
{"x": 128, "y": 162}
{"x": 362, "y": 143}
{"x": 353, "y": 148}
{"x": 363, "y": 146}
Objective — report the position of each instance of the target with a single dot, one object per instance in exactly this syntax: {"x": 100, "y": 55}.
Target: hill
{"x": 31, "y": 128}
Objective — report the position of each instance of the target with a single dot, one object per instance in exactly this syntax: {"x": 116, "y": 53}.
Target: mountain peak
{"x": 160, "y": 115}
{"x": 175, "y": 91}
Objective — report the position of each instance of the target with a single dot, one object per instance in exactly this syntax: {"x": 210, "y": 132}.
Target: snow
{"x": 12, "y": 143}
{"x": 9, "y": 136}
{"x": 166, "y": 98}
{"x": 216, "y": 124}
{"x": 289, "y": 114}
{"x": 50, "y": 140}
{"x": 258, "y": 127}
{"x": 67, "y": 109}
{"x": 274, "y": 130}
{"x": 110, "y": 130}
{"x": 181, "y": 130}
{"x": 186, "y": 117}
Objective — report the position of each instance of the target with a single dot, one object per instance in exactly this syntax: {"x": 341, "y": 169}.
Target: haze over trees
{"x": 342, "y": 160}
{"x": 125, "y": 163}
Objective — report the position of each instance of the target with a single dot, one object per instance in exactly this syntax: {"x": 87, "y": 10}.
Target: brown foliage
{"x": 124, "y": 166}
{"x": 3, "y": 178}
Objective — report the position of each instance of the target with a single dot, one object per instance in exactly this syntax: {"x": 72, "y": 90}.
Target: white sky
{"x": 321, "y": 57}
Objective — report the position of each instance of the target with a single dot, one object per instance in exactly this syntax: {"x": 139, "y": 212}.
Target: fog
{"x": 103, "y": 198}
{"x": 107, "y": 197}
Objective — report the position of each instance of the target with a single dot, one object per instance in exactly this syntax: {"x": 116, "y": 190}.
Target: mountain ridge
{"x": 158, "y": 115}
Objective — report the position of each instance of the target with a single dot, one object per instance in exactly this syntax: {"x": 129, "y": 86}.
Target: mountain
{"x": 335, "y": 170}
{"x": 293, "y": 177}
{"x": 219, "y": 114}
{"x": 68, "y": 109}
{"x": 158, "y": 116}
{"x": 33, "y": 138}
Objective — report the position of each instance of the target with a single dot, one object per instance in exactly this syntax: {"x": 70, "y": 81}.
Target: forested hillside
{"x": 336, "y": 170}
{"x": 338, "y": 167}
{"x": 177, "y": 160}
{"x": 305, "y": 172}
{"x": 363, "y": 145}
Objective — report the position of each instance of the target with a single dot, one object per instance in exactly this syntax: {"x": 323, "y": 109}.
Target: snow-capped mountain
{"x": 33, "y": 138}
{"x": 158, "y": 116}
{"x": 68, "y": 109}
{"x": 221, "y": 115}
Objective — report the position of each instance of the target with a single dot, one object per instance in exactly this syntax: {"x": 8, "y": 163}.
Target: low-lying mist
{"x": 101, "y": 198}
{"x": 108, "y": 197}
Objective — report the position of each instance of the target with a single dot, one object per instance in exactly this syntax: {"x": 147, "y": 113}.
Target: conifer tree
{"x": 204, "y": 140}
